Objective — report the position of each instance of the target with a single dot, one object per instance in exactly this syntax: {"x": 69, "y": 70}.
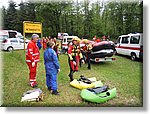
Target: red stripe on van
{"x": 131, "y": 48}
{"x": 65, "y": 44}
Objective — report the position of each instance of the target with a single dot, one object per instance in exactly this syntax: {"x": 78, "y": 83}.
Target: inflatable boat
{"x": 102, "y": 49}
{"x": 103, "y": 45}
{"x": 98, "y": 95}
{"x": 84, "y": 83}
{"x": 102, "y": 53}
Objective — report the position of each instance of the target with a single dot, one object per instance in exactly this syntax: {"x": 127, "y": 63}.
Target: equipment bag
{"x": 33, "y": 95}
{"x": 98, "y": 90}
{"x": 85, "y": 80}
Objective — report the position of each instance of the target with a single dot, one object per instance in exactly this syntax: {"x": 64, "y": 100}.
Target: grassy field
{"x": 124, "y": 74}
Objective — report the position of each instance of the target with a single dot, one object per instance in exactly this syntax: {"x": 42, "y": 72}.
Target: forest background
{"x": 82, "y": 18}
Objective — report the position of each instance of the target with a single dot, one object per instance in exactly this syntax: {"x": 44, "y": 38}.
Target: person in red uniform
{"x": 104, "y": 38}
{"x": 74, "y": 55}
{"x": 56, "y": 47}
{"x": 32, "y": 58}
{"x": 44, "y": 43}
{"x": 98, "y": 40}
{"x": 94, "y": 38}
{"x": 87, "y": 49}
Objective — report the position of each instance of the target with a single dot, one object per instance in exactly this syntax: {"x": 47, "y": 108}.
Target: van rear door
{"x": 135, "y": 45}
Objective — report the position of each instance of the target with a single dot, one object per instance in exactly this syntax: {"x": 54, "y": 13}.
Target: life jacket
{"x": 74, "y": 50}
{"x": 32, "y": 52}
{"x": 87, "y": 48}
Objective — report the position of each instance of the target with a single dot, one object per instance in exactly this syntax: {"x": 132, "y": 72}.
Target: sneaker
{"x": 55, "y": 93}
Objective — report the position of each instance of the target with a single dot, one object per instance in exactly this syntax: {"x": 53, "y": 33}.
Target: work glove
{"x": 74, "y": 63}
{"x": 33, "y": 64}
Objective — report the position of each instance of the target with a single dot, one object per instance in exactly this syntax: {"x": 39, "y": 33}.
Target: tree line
{"x": 82, "y": 18}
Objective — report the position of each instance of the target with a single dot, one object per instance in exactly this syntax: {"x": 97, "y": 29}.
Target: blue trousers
{"x": 51, "y": 81}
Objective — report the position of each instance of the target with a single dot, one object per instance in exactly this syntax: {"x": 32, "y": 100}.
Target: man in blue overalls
{"x": 52, "y": 68}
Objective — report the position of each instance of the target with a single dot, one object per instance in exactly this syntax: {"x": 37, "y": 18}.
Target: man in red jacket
{"x": 32, "y": 58}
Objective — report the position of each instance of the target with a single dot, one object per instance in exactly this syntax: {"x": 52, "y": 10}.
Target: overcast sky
{"x": 5, "y": 2}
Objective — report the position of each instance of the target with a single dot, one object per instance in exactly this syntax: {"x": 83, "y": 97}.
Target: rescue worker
{"x": 82, "y": 51}
{"x": 44, "y": 43}
{"x": 32, "y": 58}
{"x": 87, "y": 48}
{"x": 98, "y": 40}
{"x": 74, "y": 55}
{"x": 56, "y": 47}
{"x": 39, "y": 44}
{"x": 94, "y": 38}
{"x": 104, "y": 38}
{"x": 52, "y": 68}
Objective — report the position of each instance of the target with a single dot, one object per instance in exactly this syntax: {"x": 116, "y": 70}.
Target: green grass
{"x": 124, "y": 74}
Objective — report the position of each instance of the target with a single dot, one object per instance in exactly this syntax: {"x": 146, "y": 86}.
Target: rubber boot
{"x": 71, "y": 75}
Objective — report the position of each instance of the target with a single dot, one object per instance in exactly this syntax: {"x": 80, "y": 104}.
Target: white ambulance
{"x": 130, "y": 45}
{"x": 60, "y": 35}
{"x": 4, "y": 34}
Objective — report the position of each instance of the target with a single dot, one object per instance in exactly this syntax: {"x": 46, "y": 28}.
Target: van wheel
{"x": 10, "y": 49}
{"x": 133, "y": 56}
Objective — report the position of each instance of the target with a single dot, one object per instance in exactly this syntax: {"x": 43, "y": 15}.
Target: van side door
{"x": 14, "y": 43}
{"x": 124, "y": 45}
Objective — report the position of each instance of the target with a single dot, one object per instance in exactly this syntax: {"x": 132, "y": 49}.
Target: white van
{"x": 11, "y": 44}
{"x": 10, "y": 34}
{"x": 60, "y": 35}
{"x": 130, "y": 45}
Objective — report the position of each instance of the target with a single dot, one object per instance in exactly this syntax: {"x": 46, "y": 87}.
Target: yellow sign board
{"x": 32, "y": 27}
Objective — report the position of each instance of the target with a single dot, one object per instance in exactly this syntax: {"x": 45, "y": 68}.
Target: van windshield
{"x": 69, "y": 39}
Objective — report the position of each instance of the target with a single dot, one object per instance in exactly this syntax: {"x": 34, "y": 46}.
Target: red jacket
{"x": 44, "y": 43}
{"x": 32, "y": 52}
